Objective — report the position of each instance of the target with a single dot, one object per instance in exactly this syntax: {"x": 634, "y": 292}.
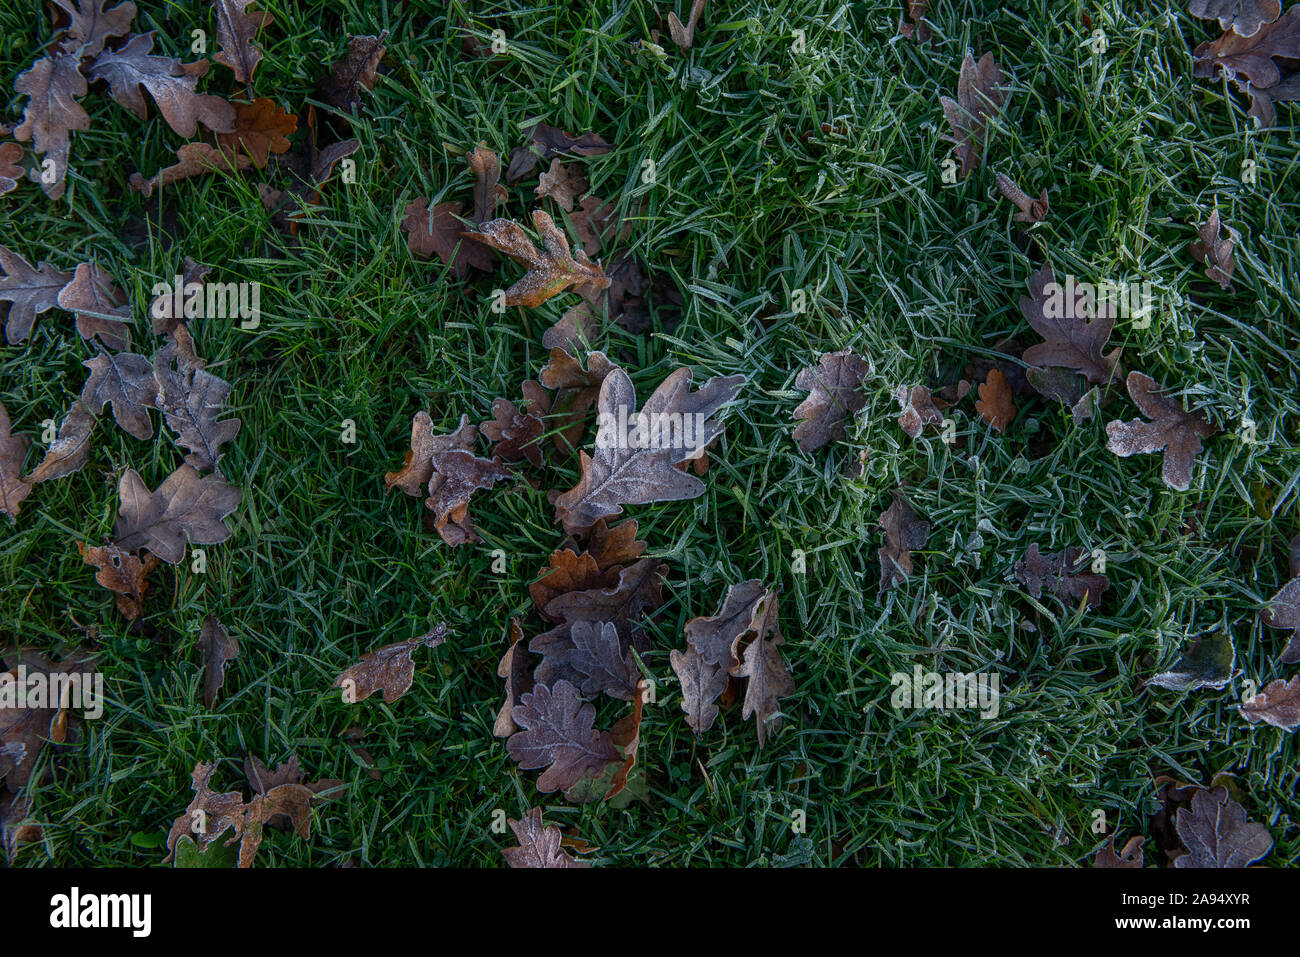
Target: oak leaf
{"x": 1252, "y": 57}
{"x": 193, "y": 159}
{"x": 918, "y": 408}
{"x": 834, "y": 387}
{"x": 539, "y": 846}
{"x": 576, "y": 390}
{"x": 1074, "y": 336}
{"x": 767, "y": 671}
{"x": 417, "y": 470}
{"x": 28, "y": 291}
{"x": 70, "y": 448}
{"x": 1216, "y": 252}
{"x": 635, "y": 452}
{"x": 1207, "y": 663}
{"x": 1283, "y": 611}
{"x": 918, "y": 28}
{"x": 558, "y": 735}
{"x": 550, "y": 270}
{"x": 488, "y": 191}
{"x": 514, "y": 668}
{"x": 186, "y": 507}
{"x": 518, "y": 433}
{"x": 170, "y": 83}
{"x": 1130, "y": 857}
{"x": 562, "y": 183}
{"x": 904, "y": 531}
{"x": 261, "y": 128}
{"x": 546, "y": 142}
{"x": 1217, "y": 834}
{"x": 91, "y": 26}
{"x": 457, "y": 475}
{"x": 684, "y": 34}
{"x": 1242, "y": 17}
{"x": 980, "y": 97}
{"x": 100, "y": 308}
{"x": 53, "y": 85}
{"x": 702, "y": 685}
{"x": 389, "y": 669}
{"x": 236, "y": 31}
{"x": 1065, "y": 574}
{"x": 13, "y": 450}
{"x": 357, "y": 71}
{"x": 122, "y": 573}
{"x": 25, "y": 730}
{"x": 1278, "y": 704}
{"x": 191, "y": 400}
{"x": 216, "y": 649}
{"x": 440, "y": 232}
{"x": 995, "y": 405}
{"x": 601, "y": 661}
{"x": 716, "y": 638}
{"x": 1172, "y": 430}
{"x": 125, "y": 381}
{"x": 10, "y": 172}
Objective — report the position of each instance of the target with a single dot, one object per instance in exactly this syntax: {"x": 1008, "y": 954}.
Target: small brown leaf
{"x": 626, "y": 735}
{"x": 904, "y": 531}
{"x": 918, "y": 28}
{"x": 1283, "y": 611}
{"x": 26, "y": 727}
{"x": 568, "y": 571}
{"x": 216, "y": 648}
{"x": 684, "y": 36}
{"x": 514, "y": 668}
{"x": 702, "y": 685}
{"x": 1277, "y": 704}
{"x": 558, "y": 736}
{"x": 994, "y": 404}
{"x": 562, "y": 183}
{"x": 70, "y": 448}
{"x": 1130, "y": 857}
{"x": 716, "y": 639}
{"x": 539, "y": 846}
{"x": 122, "y": 573}
{"x": 191, "y": 400}
{"x": 236, "y": 30}
{"x": 550, "y": 270}
{"x": 765, "y": 667}
{"x": 601, "y": 661}
{"x": 10, "y": 171}
{"x": 579, "y": 325}
{"x": 356, "y": 72}
{"x": 518, "y": 434}
{"x": 186, "y": 507}
{"x": 99, "y": 306}
{"x": 547, "y": 142}
{"x": 1172, "y": 430}
{"x": 576, "y": 391}
{"x": 261, "y": 128}
{"x": 13, "y": 450}
{"x": 1254, "y": 56}
{"x": 53, "y": 85}
{"x": 1064, "y": 317}
{"x": 28, "y": 291}
{"x": 980, "y": 98}
{"x": 1064, "y": 574}
{"x": 389, "y": 669}
{"x": 1214, "y": 252}
{"x": 209, "y": 814}
{"x": 488, "y": 191}
{"x": 170, "y": 83}
{"x": 918, "y": 408}
{"x": 439, "y": 231}
{"x": 1242, "y": 17}
{"x": 125, "y": 381}
{"x": 834, "y": 392}
{"x": 457, "y": 475}
{"x": 1217, "y": 834}
{"x": 415, "y": 475}
{"x": 194, "y": 159}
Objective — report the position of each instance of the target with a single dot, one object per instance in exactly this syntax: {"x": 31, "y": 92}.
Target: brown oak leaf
{"x": 1172, "y": 430}
{"x": 186, "y": 507}
{"x": 546, "y": 142}
{"x": 918, "y": 408}
{"x": 125, "y": 381}
{"x": 684, "y": 34}
{"x": 767, "y": 671}
{"x": 122, "y": 573}
{"x": 389, "y": 669}
{"x": 1283, "y": 611}
{"x": 918, "y": 28}
{"x": 1216, "y": 252}
{"x": 702, "y": 685}
{"x": 550, "y": 270}
{"x": 26, "y": 729}
{"x": 10, "y": 171}
{"x": 417, "y": 471}
{"x": 558, "y": 735}
{"x": 355, "y": 73}
{"x": 488, "y": 191}
{"x": 904, "y": 531}
{"x": 1252, "y": 57}
{"x": 216, "y": 649}
{"x": 716, "y": 638}
{"x": 28, "y": 291}
{"x": 193, "y": 159}
{"x": 1065, "y": 574}
{"x": 635, "y": 452}
{"x": 53, "y": 85}
{"x": 70, "y": 448}
{"x": 457, "y": 475}
{"x": 90, "y": 26}
{"x": 261, "y": 128}
{"x": 601, "y": 661}
{"x": 980, "y": 97}
{"x": 576, "y": 390}
{"x": 515, "y": 668}
{"x": 236, "y": 31}
{"x": 170, "y": 83}
{"x": 995, "y": 405}
{"x": 539, "y": 846}
{"x": 99, "y": 306}
{"x": 834, "y": 392}
{"x": 1074, "y": 330}
{"x": 1130, "y": 857}
{"x": 191, "y": 400}
{"x": 440, "y": 232}
{"x": 13, "y": 450}
{"x": 562, "y": 183}
{"x": 1278, "y": 704}
{"x": 1242, "y": 17}
{"x": 518, "y": 434}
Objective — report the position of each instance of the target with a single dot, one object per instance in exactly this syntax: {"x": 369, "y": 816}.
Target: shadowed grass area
{"x": 773, "y": 171}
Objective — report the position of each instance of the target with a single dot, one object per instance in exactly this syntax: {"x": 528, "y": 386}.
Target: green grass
{"x": 752, "y": 201}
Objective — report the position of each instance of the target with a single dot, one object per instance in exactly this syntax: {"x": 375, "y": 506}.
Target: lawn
{"x": 776, "y": 168}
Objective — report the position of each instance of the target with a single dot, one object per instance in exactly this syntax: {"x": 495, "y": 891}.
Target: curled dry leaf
{"x": 576, "y": 390}
{"x": 193, "y": 159}
{"x": 216, "y": 648}
{"x": 125, "y": 381}
{"x": 90, "y": 26}
{"x": 171, "y": 84}
{"x": 1207, "y": 663}
{"x": 538, "y": 846}
{"x": 1283, "y": 611}
{"x": 904, "y": 531}
{"x": 597, "y": 567}
{"x": 289, "y": 782}
{"x": 558, "y": 735}
{"x": 1216, "y": 252}
{"x": 918, "y": 408}
{"x": 186, "y": 507}
{"x": 70, "y": 448}
{"x": 702, "y": 685}
{"x": 191, "y": 400}
{"x": 546, "y": 142}
{"x": 53, "y": 86}
{"x": 1030, "y": 210}
{"x": 488, "y": 191}
{"x": 1242, "y": 17}
{"x": 765, "y": 667}
{"x": 1172, "y": 430}
{"x": 10, "y": 172}
{"x": 515, "y": 669}
{"x": 457, "y": 475}
{"x": 684, "y": 34}
{"x": 1130, "y": 857}
{"x": 13, "y": 450}
{"x": 980, "y": 97}
{"x": 355, "y": 73}
{"x": 550, "y": 270}
{"x": 596, "y": 223}
{"x": 1252, "y": 58}
{"x": 994, "y": 404}
{"x": 417, "y": 471}
{"x": 1065, "y": 574}
{"x": 716, "y": 639}
{"x": 517, "y": 433}
{"x": 635, "y": 453}
{"x": 389, "y": 669}
{"x": 261, "y": 128}
{"x": 99, "y": 306}
{"x": 28, "y": 291}
{"x": 26, "y": 727}
{"x": 236, "y": 31}
{"x": 626, "y": 735}
{"x": 1277, "y": 704}
{"x": 562, "y": 183}
{"x": 122, "y": 573}
{"x": 834, "y": 392}
{"x": 1217, "y": 834}
{"x": 918, "y": 28}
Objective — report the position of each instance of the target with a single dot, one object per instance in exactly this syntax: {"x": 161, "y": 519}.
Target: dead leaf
{"x": 1074, "y": 339}
{"x": 514, "y": 668}
{"x": 1283, "y": 611}
{"x": 216, "y": 648}
{"x": 578, "y": 326}
{"x": 1172, "y": 430}
{"x": 389, "y": 669}
{"x": 25, "y": 730}
{"x": 626, "y": 735}
{"x": 1252, "y": 57}
{"x": 904, "y": 531}
{"x": 99, "y": 305}
{"x": 1130, "y": 857}
{"x": 170, "y": 83}
{"x": 28, "y": 291}
{"x": 918, "y": 28}
{"x": 10, "y": 172}
{"x": 90, "y": 26}
{"x": 125, "y": 381}
{"x": 980, "y": 98}
{"x": 517, "y": 433}
{"x": 562, "y": 183}
{"x": 576, "y": 390}
{"x": 194, "y": 159}
{"x": 1030, "y": 210}
{"x": 1065, "y": 574}
{"x": 918, "y": 408}
{"x": 702, "y": 685}
{"x": 14, "y": 810}
{"x": 767, "y": 671}
{"x": 1277, "y": 704}
{"x": 834, "y": 387}
{"x": 558, "y": 736}
{"x": 261, "y": 128}
{"x": 122, "y": 573}
{"x": 53, "y": 85}
{"x": 191, "y": 400}
{"x": 539, "y": 846}
{"x": 601, "y": 661}
{"x": 597, "y": 224}
{"x": 289, "y": 795}
{"x": 417, "y": 471}
{"x": 994, "y": 404}
{"x": 236, "y": 30}
{"x": 684, "y": 36}
{"x": 1207, "y": 663}
{"x": 457, "y": 475}
{"x": 488, "y": 191}
{"x": 1214, "y": 252}
{"x": 546, "y": 142}
{"x": 356, "y": 72}
{"x": 70, "y": 448}
{"x": 550, "y": 270}
{"x": 635, "y": 451}
{"x": 13, "y": 450}
{"x": 716, "y": 639}
{"x": 1242, "y": 17}
{"x": 1217, "y": 835}
{"x": 186, "y": 507}
{"x": 439, "y": 231}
